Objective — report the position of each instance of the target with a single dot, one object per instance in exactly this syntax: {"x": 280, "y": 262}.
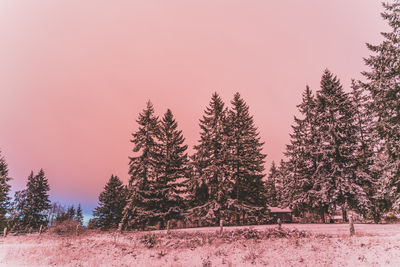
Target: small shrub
{"x": 161, "y": 254}
{"x": 207, "y": 262}
{"x": 309, "y": 218}
{"x": 251, "y": 256}
{"x": 149, "y": 240}
{"x": 266, "y": 234}
{"x": 391, "y": 217}
{"x": 93, "y": 224}
{"x": 66, "y": 228}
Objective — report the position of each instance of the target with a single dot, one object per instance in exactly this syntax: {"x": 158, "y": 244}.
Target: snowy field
{"x": 295, "y": 245}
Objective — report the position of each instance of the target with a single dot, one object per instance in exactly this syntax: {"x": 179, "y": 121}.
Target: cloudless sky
{"x": 74, "y": 75}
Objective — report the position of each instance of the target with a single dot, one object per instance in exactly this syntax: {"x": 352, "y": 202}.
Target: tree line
{"x": 31, "y": 207}
{"x": 223, "y": 179}
{"x": 344, "y": 149}
{"x": 343, "y": 154}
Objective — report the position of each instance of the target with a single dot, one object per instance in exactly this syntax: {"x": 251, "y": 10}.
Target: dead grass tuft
{"x": 149, "y": 240}
{"x": 68, "y": 227}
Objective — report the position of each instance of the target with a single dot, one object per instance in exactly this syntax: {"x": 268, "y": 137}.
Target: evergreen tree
{"x": 18, "y": 205}
{"x": 112, "y": 201}
{"x": 335, "y": 175}
{"x": 4, "y": 190}
{"x": 280, "y": 180}
{"x": 246, "y": 163}
{"x": 56, "y": 213}
{"x": 172, "y": 170}
{"x": 31, "y": 203}
{"x": 71, "y": 212}
{"x": 368, "y": 169}
{"x": 79, "y": 215}
{"x": 297, "y": 172}
{"x": 323, "y": 169}
{"x": 143, "y": 169}
{"x": 211, "y": 171}
{"x": 383, "y": 84}
{"x": 272, "y": 194}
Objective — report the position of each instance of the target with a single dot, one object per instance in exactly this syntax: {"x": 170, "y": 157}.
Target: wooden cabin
{"x": 286, "y": 214}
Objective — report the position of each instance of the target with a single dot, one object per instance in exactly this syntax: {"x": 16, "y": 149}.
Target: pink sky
{"x": 75, "y": 74}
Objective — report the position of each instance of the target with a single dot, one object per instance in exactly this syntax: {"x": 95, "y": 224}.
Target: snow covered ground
{"x": 311, "y": 245}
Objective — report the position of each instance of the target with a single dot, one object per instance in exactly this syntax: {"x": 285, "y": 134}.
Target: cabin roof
{"x": 279, "y": 210}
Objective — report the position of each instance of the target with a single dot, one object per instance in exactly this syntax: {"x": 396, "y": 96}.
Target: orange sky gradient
{"x": 75, "y": 74}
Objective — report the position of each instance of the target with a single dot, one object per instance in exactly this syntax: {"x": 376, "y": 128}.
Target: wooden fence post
{"x": 40, "y": 229}
{"x": 221, "y": 226}
{"x": 279, "y": 224}
{"x": 77, "y": 230}
{"x": 5, "y": 232}
{"x": 168, "y": 226}
{"x": 351, "y": 225}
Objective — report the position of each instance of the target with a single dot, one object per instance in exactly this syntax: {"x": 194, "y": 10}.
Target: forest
{"x": 343, "y": 154}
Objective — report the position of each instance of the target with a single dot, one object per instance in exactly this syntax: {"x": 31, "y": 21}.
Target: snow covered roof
{"x": 279, "y": 210}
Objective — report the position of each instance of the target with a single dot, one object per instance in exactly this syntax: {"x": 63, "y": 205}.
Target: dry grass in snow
{"x": 294, "y": 245}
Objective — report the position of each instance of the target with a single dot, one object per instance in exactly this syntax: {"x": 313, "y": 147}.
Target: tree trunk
{"x": 376, "y": 216}
{"x": 322, "y": 215}
{"x": 168, "y": 226}
{"x": 351, "y": 226}
{"x": 344, "y": 213}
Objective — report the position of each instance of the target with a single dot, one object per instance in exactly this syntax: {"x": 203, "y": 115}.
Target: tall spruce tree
{"x": 368, "y": 169}
{"x": 32, "y": 203}
{"x": 4, "y": 190}
{"x": 143, "y": 168}
{"x": 280, "y": 180}
{"x": 335, "y": 175}
{"x": 172, "y": 171}
{"x": 383, "y": 84}
{"x": 211, "y": 180}
{"x": 297, "y": 172}
{"x": 112, "y": 201}
{"x": 272, "y": 194}
{"x": 246, "y": 163}
{"x": 323, "y": 169}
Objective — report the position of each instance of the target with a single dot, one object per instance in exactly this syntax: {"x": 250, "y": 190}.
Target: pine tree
{"x": 112, "y": 201}
{"x": 211, "y": 177}
{"x": 297, "y": 172}
{"x": 143, "y": 169}
{"x": 4, "y": 190}
{"x": 272, "y": 194}
{"x": 368, "y": 170}
{"x": 56, "y": 213}
{"x": 338, "y": 184}
{"x": 322, "y": 165}
{"x": 71, "y": 212}
{"x": 79, "y": 215}
{"x": 32, "y": 203}
{"x": 246, "y": 163}
{"x": 383, "y": 84}
{"x": 18, "y": 205}
{"x": 172, "y": 170}
{"x": 280, "y": 180}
